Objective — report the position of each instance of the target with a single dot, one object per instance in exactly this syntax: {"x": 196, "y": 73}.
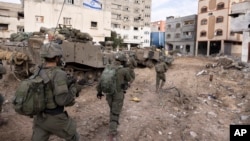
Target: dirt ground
{"x": 189, "y": 108}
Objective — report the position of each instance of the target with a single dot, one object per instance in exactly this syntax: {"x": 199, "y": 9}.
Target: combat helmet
{"x": 120, "y": 57}
{"x": 51, "y": 50}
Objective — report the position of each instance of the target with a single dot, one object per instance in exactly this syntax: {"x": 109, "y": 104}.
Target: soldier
{"x": 160, "y": 68}
{"x": 115, "y": 100}
{"x": 132, "y": 64}
{"x": 2, "y": 71}
{"x": 54, "y": 120}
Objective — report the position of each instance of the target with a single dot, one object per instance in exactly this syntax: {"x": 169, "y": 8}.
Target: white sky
{"x": 164, "y": 8}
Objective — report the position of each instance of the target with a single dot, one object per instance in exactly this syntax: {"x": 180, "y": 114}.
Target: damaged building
{"x": 181, "y": 34}
{"x": 240, "y": 23}
{"x": 11, "y": 19}
{"x": 213, "y": 29}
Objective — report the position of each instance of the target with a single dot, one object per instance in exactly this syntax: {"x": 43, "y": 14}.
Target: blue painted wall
{"x": 157, "y": 39}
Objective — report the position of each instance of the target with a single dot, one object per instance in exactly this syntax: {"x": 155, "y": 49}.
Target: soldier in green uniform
{"x": 54, "y": 120}
{"x": 132, "y": 64}
{"x": 115, "y": 101}
{"x": 2, "y": 72}
{"x": 160, "y": 68}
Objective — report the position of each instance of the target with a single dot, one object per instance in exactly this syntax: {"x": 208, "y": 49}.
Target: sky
{"x": 164, "y": 8}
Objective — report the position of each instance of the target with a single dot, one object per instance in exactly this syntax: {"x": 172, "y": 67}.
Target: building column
{"x": 196, "y": 48}
{"x": 208, "y": 47}
{"x": 128, "y": 46}
{"x": 222, "y": 48}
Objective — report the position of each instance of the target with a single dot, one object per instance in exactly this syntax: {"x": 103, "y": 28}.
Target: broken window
{"x": 191, "y": 22}
{"x": 218, "y": 32}
{"x": 204, "y": 9}
{"x": 114, "y": 25}
{"x": 70, "y": 1}
{"x": 203, "y": 34}
{"x": 203, "y": 21}
{"x": 39, "y": 19}
{"x": 66, "y": 21}
{"x": 4, "y": 27}
{"x": 168, "y": 36}
{"x": 93, "y": 24}
{"x": 232, "y": 33}
{"x": 219, "y": 19}
{"x": 20, "y": 29}
{"x": 220, "y": 6}
{"x": 178, "y": 25}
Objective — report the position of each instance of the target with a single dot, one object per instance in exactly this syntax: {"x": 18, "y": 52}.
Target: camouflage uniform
{"x": 2, "y": 71}
{"x": 54, "y": 120}
{"x": 132, "y": 64}
{"x": 160, "y": 76}
{"x": 115, "y": 101}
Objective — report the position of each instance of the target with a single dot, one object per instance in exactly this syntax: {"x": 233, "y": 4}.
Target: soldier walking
{"x": 160, "y": 68}
{"x": 115, "y": 99}
{"x": 54, "y": 120}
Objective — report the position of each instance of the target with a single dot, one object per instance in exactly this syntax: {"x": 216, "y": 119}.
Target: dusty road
{"x": 189, "y": 108}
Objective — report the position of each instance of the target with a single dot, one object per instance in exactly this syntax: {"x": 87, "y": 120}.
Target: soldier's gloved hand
{"x": 99, "y": 95}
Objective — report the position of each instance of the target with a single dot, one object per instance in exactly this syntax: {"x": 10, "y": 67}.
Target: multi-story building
{"x": 93, "y": 19}
{"x": 11, "y": 19}
{"x": 240, "y": 23}
{"x": 130, "y": 19}
{"x": 213, "y": 29}
{"x": 181, "y": 34}
{"x": 158, "y": 26}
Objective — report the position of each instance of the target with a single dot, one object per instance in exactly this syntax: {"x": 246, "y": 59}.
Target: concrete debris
{"x": 203, "y": 72}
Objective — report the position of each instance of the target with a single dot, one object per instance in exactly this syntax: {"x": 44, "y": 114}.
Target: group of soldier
{"x": 54, "y": 120}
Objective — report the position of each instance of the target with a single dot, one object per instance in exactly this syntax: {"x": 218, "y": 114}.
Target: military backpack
{"x": 30, "y": 98}
{"x": 108, "y": 80}
{"x": 159, "y": 68}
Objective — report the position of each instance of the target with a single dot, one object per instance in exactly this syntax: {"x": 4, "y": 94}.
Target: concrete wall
{"x": 9, "y": 16}
{"x": 245, "y": 46}
{"x": 81, "y": 18}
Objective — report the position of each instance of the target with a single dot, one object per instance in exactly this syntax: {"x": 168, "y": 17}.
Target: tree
{"x": 117, "y": 40}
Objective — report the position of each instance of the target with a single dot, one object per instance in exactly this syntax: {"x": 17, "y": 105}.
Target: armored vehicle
{"x": 82, "y": 58}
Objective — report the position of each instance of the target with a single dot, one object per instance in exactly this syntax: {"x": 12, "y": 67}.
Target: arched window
{"x": 178, "y": 25}
{"x": 219, "y": 19}
{"x": 218, "y": 32}
{"x": 203, "y": 34}
{"x": 203, "y": 21}
{"x": 168, "y": 36}
{"x": 204, "y": 9}
{"x": 220, "y": 5}
{"x": 169, "y": 26}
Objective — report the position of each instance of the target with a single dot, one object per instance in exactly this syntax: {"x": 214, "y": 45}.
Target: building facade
{"x": 93, "y": 19}
{"x": 181, "y": 34}
{"x": 158, "y": 26}
{"x": 240, "y": 23}
{"x": 11, "y": 19}
{"x": 130, "y": 19}
{"x": 213, "y": 29}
